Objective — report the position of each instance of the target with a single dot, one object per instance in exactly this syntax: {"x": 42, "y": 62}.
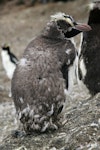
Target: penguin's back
{"x": 38, "y": 89}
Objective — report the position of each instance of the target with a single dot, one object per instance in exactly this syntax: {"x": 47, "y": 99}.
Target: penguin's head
{"x": 6, "y": 47}
{"x": 94, "y": 16}
{"x": 68, "y": 25}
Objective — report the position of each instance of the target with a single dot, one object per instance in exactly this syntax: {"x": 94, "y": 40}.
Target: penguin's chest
{"x": 7, "y": 64}
{"x": 82, "y": 73}
{"x": 82, "y": 68}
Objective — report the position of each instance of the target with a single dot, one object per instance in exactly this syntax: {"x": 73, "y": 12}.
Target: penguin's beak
{"x": 82, "y": 27}
{"x": 76, "y": 29}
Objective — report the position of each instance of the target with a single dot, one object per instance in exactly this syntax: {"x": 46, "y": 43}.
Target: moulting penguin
{"x": 41, "y": 76}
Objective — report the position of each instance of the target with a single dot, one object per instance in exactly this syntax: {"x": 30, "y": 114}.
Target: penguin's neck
{"x": 94, "y": 17}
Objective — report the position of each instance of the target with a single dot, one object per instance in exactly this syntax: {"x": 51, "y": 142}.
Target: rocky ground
{"x": 18, "y": 25}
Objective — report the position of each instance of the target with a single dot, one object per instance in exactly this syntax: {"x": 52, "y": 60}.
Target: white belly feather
{"x": 7, "y": 64}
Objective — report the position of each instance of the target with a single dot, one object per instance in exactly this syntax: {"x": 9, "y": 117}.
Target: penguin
{"x": 40, "y": 79}
{"x": 89, "y": 57}
{"x": 9, "y": 60}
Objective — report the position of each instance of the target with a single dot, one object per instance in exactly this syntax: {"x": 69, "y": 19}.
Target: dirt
{"x": 18, "y": 25}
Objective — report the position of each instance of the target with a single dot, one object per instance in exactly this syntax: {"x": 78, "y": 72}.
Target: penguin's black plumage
{"x": 41, "y": 76}
{"x": 89, "y": 58}
{"x": 9, "y": 60}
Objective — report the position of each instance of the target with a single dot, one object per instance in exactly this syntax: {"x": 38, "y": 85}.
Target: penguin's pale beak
{"x": 82, "y": 27}
{"x": 78, "y": 28}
